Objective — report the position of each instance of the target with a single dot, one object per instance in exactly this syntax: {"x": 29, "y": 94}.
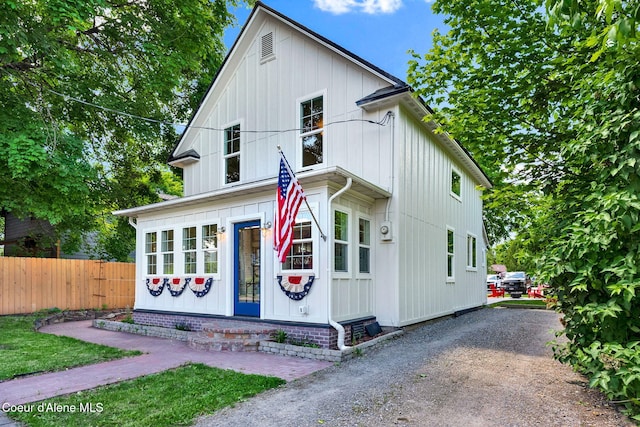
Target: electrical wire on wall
{"x": 382, "y": 122}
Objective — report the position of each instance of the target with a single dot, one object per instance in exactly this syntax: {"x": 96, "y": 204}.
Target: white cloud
{"x": 367, "y": 6}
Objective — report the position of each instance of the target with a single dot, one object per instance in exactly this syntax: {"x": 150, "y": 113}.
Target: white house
{"x": 400, "y": 205}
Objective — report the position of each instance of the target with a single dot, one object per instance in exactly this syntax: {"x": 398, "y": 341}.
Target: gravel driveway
{"x": 491, "y": 367}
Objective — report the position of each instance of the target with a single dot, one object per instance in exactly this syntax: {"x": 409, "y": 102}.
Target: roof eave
{"x": 334, "y": 174}
{"x": 422, "y": 112}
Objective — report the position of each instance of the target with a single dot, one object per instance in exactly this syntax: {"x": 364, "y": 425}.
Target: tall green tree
{"x": 69, "y": 162}
{"x": 547, "y": 97}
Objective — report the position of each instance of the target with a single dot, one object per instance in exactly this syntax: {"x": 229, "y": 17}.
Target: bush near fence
{"x": 28, "y": 285}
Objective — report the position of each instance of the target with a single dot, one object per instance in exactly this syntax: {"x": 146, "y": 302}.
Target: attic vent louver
{"x": 266, "y": 46}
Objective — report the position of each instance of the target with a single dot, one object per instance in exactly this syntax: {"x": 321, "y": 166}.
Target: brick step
{"x": 216, "y": 338}
{"x": 211, "y": 344}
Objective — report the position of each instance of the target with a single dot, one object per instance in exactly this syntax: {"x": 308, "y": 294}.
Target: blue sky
{"x": 380, "y": 31}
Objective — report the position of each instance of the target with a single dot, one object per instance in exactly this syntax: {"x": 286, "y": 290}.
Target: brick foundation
{"x": 323, "y": 335}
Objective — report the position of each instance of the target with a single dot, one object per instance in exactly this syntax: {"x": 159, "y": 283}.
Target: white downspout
{"x": 337, "y": 326}
{"x": 393, "y": 159}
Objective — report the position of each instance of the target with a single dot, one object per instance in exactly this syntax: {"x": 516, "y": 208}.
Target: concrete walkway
{"x": 160, "y": 355}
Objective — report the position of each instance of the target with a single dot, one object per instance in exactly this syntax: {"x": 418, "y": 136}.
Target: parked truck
{"x": 515, "y": 283}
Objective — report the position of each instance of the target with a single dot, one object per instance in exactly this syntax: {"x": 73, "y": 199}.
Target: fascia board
{"x": 331, "y": 174}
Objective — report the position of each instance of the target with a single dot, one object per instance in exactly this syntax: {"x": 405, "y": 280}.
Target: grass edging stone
{"x": 323, "y": 353}
{"x": 146, "y": 330}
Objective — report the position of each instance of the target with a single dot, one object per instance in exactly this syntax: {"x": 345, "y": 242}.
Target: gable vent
{"x": 266, "y": 46}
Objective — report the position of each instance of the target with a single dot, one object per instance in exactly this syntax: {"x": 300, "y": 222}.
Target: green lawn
{"x": 171, "y": 398}
{"x": 525, "y": 302}
{"x": 25, "y": 351}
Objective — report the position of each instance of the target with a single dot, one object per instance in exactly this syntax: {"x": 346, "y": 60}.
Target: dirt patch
{"x": 120, "y": 317}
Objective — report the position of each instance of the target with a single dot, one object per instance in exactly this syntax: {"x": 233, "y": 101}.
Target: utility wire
{"x": 383, "y": 122}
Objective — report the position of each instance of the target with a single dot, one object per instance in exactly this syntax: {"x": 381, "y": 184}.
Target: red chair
{"x": 537, "y": 292}
{"x": 495, "y": 291}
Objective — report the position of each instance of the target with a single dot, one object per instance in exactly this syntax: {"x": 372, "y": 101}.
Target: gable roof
{"x": 397, "y": 90}
{"x": 261, "y": 8}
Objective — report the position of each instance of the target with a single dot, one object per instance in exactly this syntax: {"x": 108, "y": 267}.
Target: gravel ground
{"x": 491, "y": 367}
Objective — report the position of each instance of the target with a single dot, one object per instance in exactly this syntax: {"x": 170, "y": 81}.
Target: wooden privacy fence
{"x": 28, "y": 285}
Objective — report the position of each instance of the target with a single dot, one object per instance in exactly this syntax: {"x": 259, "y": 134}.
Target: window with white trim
{"x": 232, "y": 154}
{"x": 472, "y": 251}
{"x": 189, "y": 245}
{"x": 210, "y": 248}
{"x": 364, "y": 245}
{"x": 150, "y": 250}
{"x": 341, "y": 241}
{"x": 312, "y": 131}
{"x": 455, "y": 183}
{"x": 166, "y": 247}
{"x": 450, "y": 255}
{"x": 300, "y": 256}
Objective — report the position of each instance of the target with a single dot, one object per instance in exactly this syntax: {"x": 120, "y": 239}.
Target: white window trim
{"x": 450, "y": 279}
{"x": 201, "y": 250}
{"x": 183, "y": 251}
{"x": 163, "y": 253}
{"x": 178, "y": 253}
{"x": 349, "y": 242}
{"x": 299, "y": 101}
{"x": 223, "y": 156}
{"x": 360, "y": 274}
{"x": 315, "y": 241}
{"x": 454, "y": 195}
{"x": 471, "y": 267}
{"x": 146, "y": 254}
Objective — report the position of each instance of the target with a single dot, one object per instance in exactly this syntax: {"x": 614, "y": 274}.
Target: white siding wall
{"x": 275, "y": 305}
{"x": 352, "y": 291}
{"x": 265, "y": 96}
{"x": 422, "y": 210}
{"x": 408, "y": 281}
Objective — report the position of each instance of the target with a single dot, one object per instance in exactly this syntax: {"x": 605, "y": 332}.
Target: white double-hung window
{"x": 232, "y": 154}
{"x": 472, "y": 245}
{"x": 364, "y": 245}
{"x": 166, "y": 247}
{"x": 151, "y": 252}
{"x": 210, "y": 248}
{"x": 189, "y": 245}
{"x": 300, "y": 256}
{"x": 450, "y": 255}
{"x": 312, "y": 131}
{"x": 456, "y": 184}
{"x": 341, "y": 241}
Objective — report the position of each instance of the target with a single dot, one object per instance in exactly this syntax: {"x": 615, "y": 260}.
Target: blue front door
{"x": 246, "y": 257}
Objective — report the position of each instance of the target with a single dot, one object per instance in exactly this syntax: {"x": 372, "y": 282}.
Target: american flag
{"x": 290, "y": 196}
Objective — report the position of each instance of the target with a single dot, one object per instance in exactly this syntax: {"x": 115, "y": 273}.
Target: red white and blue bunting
{"x": 155, "y": 285}
{"x": 176, "y": 285}
{"x": 200, "y": 286}
{"x": 296, "y": 287}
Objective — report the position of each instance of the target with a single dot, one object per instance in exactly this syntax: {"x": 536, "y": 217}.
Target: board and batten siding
{"x": 424, "y": 210}
{"x": 352, "y": 292}
{"x": 265, "y": 96}
{"x": 219, "y": 301}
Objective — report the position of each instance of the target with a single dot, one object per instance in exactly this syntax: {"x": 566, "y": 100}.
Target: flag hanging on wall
{"x": 290, "y": 196}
